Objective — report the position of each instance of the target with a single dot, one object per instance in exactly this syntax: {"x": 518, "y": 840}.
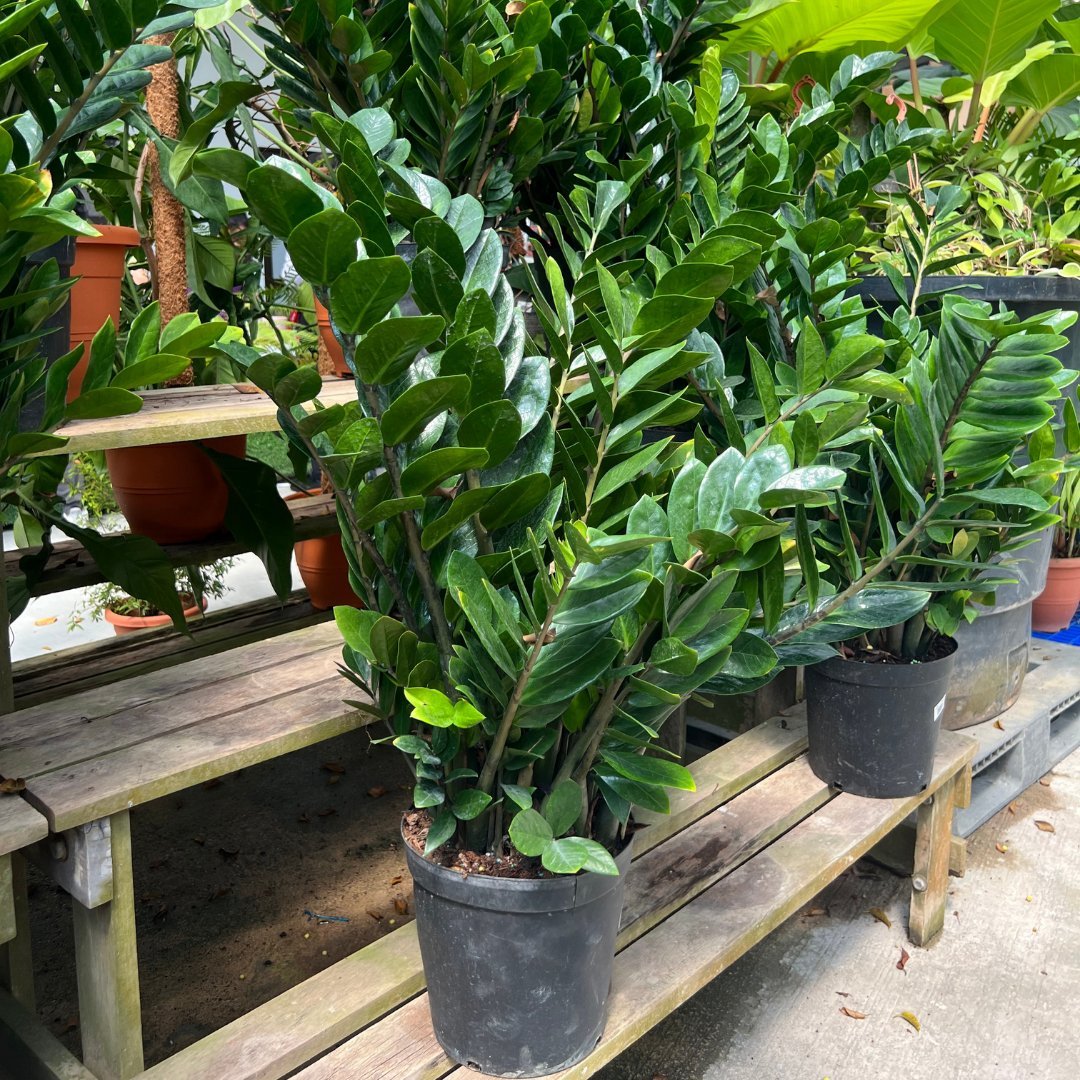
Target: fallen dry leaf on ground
{"x": 853, "y": 1013}
{"x": 327, "y": 812}
{"x": 815, "y": 911}
{"x": 1011, "y": 807}
{"x": 397, "y": 880}
{"x": 47, "y": 621}
{"x": 1002, "y": 848}
{"x": 999, "y": 725}
{"x": 842, "y": 993}
{"x": 375, "y": 915}
{"x": 333, "y": 767}
{"x": 1044, "y": 826}
{"x": 376, "y": 792}
{"x": 912, "y": 1019}
{"x": 905, "y": 956}
{"x": 400, "y": 906}
{"x": 880, "y": 916}
{"x": 12, "y": 785}
{"x": 1045, "y": 781}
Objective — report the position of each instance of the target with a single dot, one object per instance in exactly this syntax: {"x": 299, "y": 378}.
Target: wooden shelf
{"x": 188, "y": 413}
{"x": 70, "y": 567}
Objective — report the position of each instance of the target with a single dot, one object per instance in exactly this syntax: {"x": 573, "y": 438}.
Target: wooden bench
{"x": 758, "y": 839}
{"x": 88, "y": 759}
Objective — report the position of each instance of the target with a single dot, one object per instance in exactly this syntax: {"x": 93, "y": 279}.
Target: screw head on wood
{"x": 918, "y": 883}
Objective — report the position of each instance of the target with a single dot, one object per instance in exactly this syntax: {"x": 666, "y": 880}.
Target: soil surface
{"x": 230, "y": 879}
{"x": 509, "y": 865}
{"x": 939, "y": 648}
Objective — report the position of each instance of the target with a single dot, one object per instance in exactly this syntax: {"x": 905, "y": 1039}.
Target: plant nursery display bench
{"x": 758, "y": 839}
{"x": 89, "y": 759}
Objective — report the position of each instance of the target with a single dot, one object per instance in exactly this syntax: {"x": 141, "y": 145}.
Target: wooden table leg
{"x": 930, "y": 875}
{"x": 16, "y": 963}
{"x": 110, "y": 1015}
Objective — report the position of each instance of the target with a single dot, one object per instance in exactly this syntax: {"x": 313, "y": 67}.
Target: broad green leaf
{"x": 323, "y": 246}
{"x": 366, "y": 292}
{"x": 410, "y": 411}
{"x": 572, "y": 854}
{"x": 563, "y": 806}
{"x": 442, "y": 829}
{"x": 530, "y": 833}
{"x": 469, "y": 803}
{"x": 650, "y": 770}
{"x": 279, "y": 200}
{"x": 426, "y": 472}
{"x": 391, "y": 346}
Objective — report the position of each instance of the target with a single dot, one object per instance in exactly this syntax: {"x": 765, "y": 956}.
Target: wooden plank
{"x": 107, "y": 966}
{"x": 60, "y": 675}
{"x": 724, "y": 773}
{"x": 20, "y": 824}
{"x": 67, "y": 745}
{"x": 277, "y": 1037}
{"x": 930, "y": 874}
{"x": 16, "y": 957}
{"x": 7, "y": 901}
{"x": 28, "y": 1051}
{"x": 285, "y": 1033}
{"x": 193, "y": 755}
{"x": 187, "y": 414}
{"x": 71, "y": 567}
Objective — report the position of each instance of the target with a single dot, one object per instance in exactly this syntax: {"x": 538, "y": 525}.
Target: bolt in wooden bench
{"x": 88, "y": 759}
{"x": 757, "y": 840}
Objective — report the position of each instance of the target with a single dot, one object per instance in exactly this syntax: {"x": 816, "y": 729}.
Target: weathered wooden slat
{"x": 28, "y": 1051}
{"x": 269, "y": 1042}
{"x": 278, "y": 1037}
{"x": 7, "y": 901}
{"x": 20, "y": 824}
{"x": 55, "y": 677}
{"x": 16, "y": 957}
{"x": 193, "y": 755}
{"x": 69, "y": 745}
{"x": 725, "y": 772}
{"x": 71, "y": 567}
{"x": 184, "y": 415}
{"x": 66, "y": 719}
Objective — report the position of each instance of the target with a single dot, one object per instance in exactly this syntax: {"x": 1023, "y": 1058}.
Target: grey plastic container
{"x": 994, "y": 649}
{"x": 518, "y": 971}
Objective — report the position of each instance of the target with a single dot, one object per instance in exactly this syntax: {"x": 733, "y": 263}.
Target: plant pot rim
{"x": 514, "y": 894}
{"x": 842, "y": 669}
{"x": 1064, "y": 561}
{"x": 145, "y": 621}
{"x": 114, "y": 235}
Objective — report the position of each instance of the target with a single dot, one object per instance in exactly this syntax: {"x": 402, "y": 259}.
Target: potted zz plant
{"x": 543, "y": 584}
{"x": 938, "y": 485}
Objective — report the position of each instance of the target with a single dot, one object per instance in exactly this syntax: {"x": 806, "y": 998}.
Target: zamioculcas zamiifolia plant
{"x": 545, "y": 580}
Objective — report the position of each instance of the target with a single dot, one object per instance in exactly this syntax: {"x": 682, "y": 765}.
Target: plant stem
{"x": 477, "y": 173}
{"x": 48, "y": 148}
{"x": 916, "y": 88}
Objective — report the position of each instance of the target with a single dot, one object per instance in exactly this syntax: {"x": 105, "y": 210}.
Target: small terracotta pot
{"x": 173, "y": 492}
{"x": 324, "y": 568}
{"x": 333, "y": 346}
{"x": 1055, "y": 607}
{"x": 128, "y": 624}
{"x": 99, "y": 266}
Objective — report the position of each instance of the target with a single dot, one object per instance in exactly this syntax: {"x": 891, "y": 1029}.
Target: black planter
{"x": 1028, "y": 296}
{"x": 873, "y": 728}
{"x": 518, "y": 971}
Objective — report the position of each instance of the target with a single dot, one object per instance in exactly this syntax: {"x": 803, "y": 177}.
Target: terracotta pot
{"x": 173, "y": 492}
{"x": 95, "y": 297}
{"x": 128, "y": 624}
{"x": 333, "y": 346}
{"x": 1055, "y": 607}
{"x": 324, "y": 568}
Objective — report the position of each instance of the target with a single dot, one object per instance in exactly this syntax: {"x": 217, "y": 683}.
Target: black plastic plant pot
{"x": 873, "y": 728}
{"x": 518, "y": 971}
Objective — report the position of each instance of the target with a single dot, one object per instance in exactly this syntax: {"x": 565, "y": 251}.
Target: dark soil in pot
{"x": 873, "y": 727}
{"x": 518, "y": 969}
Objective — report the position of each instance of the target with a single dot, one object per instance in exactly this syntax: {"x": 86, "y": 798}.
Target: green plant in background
{"x": 1067, "y": 535}
{"x": 89, "y": 481}
{"x": 194, "y": 586}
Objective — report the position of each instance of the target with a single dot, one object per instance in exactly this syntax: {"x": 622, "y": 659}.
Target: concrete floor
{"x": 997, "y": 996}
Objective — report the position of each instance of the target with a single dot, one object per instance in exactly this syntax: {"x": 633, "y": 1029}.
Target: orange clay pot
{"x": 333, "y": 346}
{"x": 172, "y": 493}
{"x": 1054, "y": 609}
{"x": 324, "y": 568}
{"x": 128, "y": 624}
{"x": 95, "y": 297}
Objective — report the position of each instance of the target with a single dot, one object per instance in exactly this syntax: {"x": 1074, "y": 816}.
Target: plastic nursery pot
{"x": 172, "y": 492}
{"x": 99, "y": 265}
{"x": 992, "y": 659}
{"x": 1055, "y": 608}
{"x": 873, "y": 728}
{"x": 324, "y": 568}
{"x": 128, "y": 624}
{"x": 333, "y": 346}
{"x": 518, "y": 971}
